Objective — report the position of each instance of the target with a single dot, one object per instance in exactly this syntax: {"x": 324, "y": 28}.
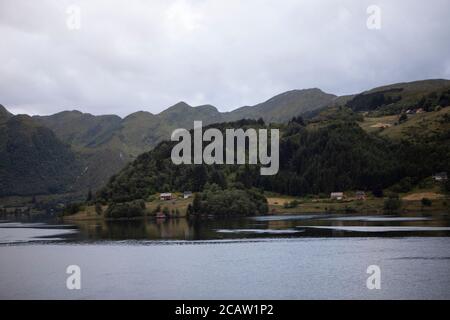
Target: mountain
{"x": 395, "y": 98}
{"x": 136, "y": 133}
{"x": 183, "y": 115}
{"x": 103, "y": 145}
{"x": 336, "y": 157}
{"x": 106, "y": 143}
{"x": 93, "y": 138}
{"x": 313, "y": 160}
{"x": 33, "y": 160}
{"x": 81, "y": 129}
{"x": 285, "y": 106}
{"x": 141, "y": 131}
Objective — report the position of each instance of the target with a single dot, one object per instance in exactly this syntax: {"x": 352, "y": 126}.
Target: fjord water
{"x": 269, "y": 257}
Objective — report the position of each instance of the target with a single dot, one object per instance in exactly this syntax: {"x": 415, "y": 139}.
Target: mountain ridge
{"x": 141, "y": 130}
{"x": 104, "y": 144}
{"x": 439, "y": 82}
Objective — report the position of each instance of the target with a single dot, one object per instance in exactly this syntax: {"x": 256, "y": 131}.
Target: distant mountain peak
{"x": 181, "y": 104}
{"x": 70, "y": 111}
{"x": 284, "y": 106}
{"x": 67, "y": 114}
{"x": 138, "y": 114}
{"x": 177, "y": 107}
{"x": 299, "y": 93}
{"x": 207, "y": 107}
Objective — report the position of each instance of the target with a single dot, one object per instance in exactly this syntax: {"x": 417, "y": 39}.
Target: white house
{"x": 337, "y": 195}
{"x": 165, "y": 196}
{"x": 187, "y": 194}
{"x": 441, "y": 176}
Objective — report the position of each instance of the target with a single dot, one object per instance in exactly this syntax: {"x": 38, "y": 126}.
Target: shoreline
{"x": 440, "y": 203}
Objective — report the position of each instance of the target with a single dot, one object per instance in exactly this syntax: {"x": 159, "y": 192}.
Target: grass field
{"x": 420, "y": 125}
{"x": 411, "y": 202}
{"x": 88, "y": 212}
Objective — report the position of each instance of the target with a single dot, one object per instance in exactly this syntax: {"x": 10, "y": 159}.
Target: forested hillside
{"x": 313, "y": 160}
{"x": 33, "y": 160}
{"x": 395, "y": 98}
{"x": 328, "y": 152}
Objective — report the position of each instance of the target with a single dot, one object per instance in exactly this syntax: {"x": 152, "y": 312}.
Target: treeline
{"x": 387, "y": 101}
{"x": 374, "y": 100}
{"x": 434, "y": 99}
{"x": 234, "y": 200}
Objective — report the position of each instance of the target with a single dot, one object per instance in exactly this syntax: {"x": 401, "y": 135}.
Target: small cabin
{"x": 337, "y": 196}
{"x": 165, "y": 196}
{"x": 360, "y": 195}
{"x": 441, "y": 176}
{"x": 187, "y": 194}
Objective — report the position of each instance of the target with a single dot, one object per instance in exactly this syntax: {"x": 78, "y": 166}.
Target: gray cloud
{"x": 147, "y": 55}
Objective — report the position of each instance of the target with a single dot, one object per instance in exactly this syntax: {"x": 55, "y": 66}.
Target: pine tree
{"x": 98, "y": 208}
{"x": 89, "y": 196}
{"x": 196, "y": 203}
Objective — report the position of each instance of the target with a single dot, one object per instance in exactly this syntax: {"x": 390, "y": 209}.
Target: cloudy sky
{"x": 122, "y": 56}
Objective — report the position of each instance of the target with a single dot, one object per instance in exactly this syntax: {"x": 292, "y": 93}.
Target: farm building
{"x": 360, "y": 195}
{"x": 441, "y": 176}
{"x": 187, "y": 194}
{"x": 337, "y": 195}
{"x": 165, "y": 196}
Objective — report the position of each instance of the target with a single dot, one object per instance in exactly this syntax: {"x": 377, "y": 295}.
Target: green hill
{"x": 337, "y": 156}
{"x": 141, "y": 131}
{"x": 81, "y": 129}
{"x": 284, "y": 107}
{"x": 105, "y": 144}
{"x": 420, "y": 127}
{"x": 393, "y": 99}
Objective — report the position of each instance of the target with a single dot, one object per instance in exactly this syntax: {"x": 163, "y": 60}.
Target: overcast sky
{"x": 147, "y": 55}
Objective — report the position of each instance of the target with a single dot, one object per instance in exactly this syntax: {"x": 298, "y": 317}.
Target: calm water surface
{"x": 312, "y": 256}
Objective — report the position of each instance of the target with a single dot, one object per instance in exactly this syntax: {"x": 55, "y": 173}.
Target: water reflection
{"x": 173, "y": 229}
{"x": 276, "y": 226}
{"x": 317, "y": 225}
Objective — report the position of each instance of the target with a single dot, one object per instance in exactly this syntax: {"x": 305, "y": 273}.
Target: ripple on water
{"x": 16, "y": 232}
{"x": 259, "y": 231}
{"x": 378, "y": 229}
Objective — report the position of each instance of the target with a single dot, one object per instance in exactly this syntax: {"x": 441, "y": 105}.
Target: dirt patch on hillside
{"x": 420, "y": 195}
{"x": 381, "y": 125}
{"x": 278, "y": 200}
